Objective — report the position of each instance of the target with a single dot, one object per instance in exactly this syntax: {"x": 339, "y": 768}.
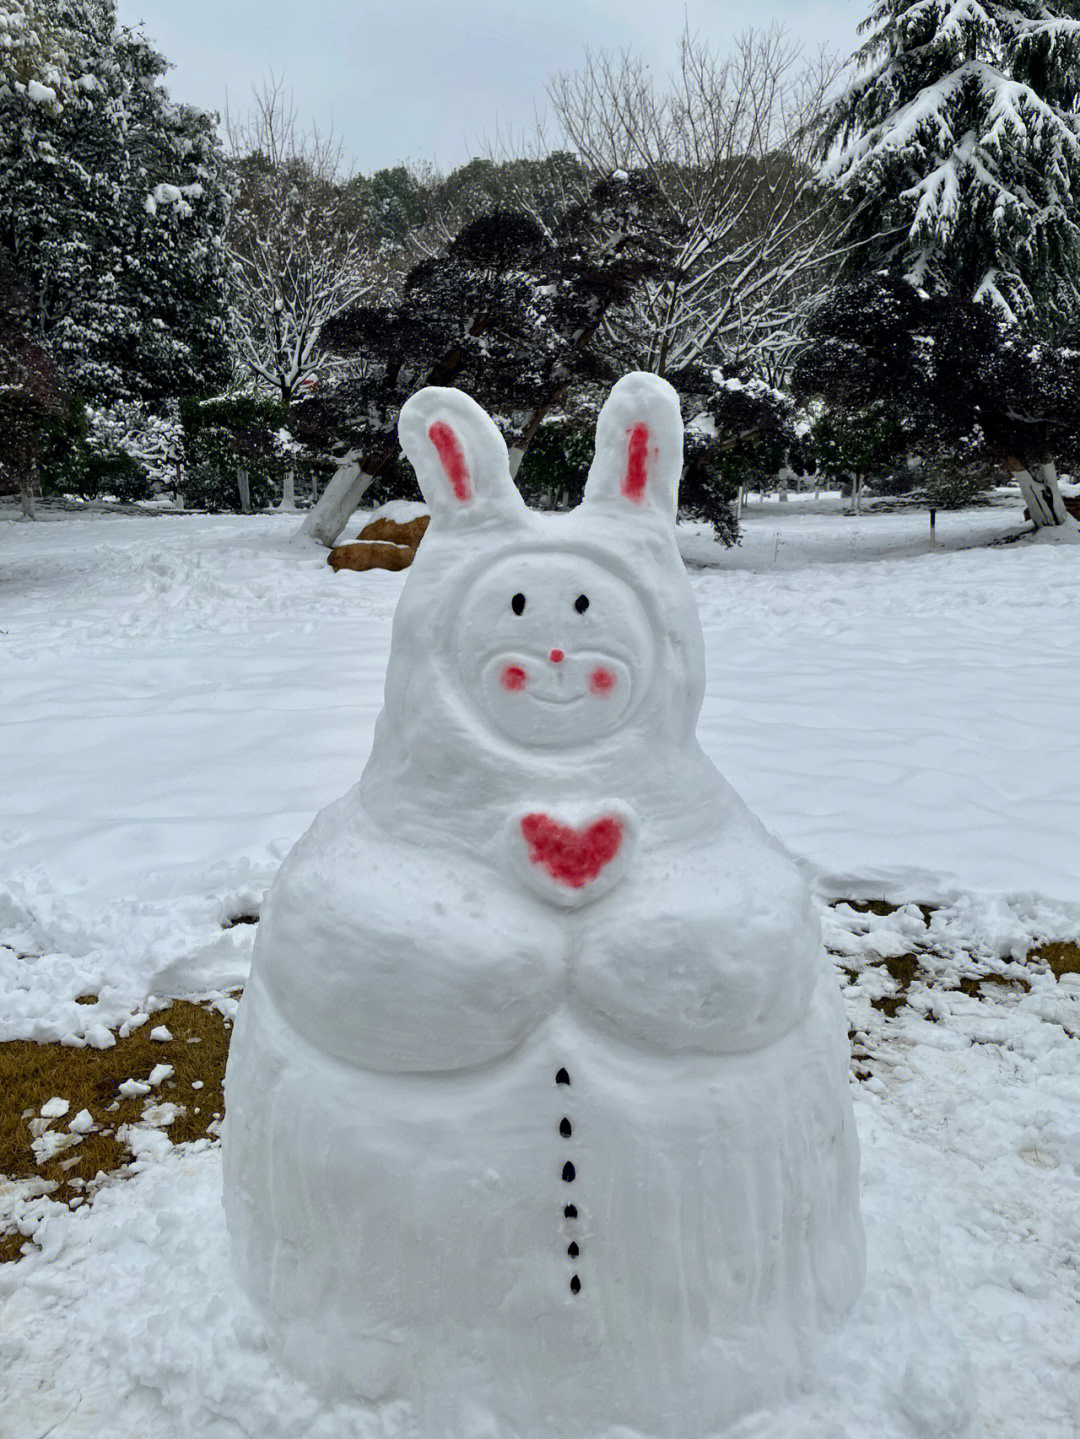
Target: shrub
{"x": 223, "y": 438}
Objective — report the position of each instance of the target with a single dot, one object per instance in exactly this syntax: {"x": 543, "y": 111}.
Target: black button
{"x": 575, "y": 1285}
{"x": 568, "y": 1172}
{"x": 517, "y": 604}
{"x": 562, "y": 1077}
{"x": 564, "y": 1128}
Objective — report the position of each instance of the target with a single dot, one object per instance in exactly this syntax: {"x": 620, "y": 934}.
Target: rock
{"x": 370, "y": 555}
{"x": 384, "y": 528}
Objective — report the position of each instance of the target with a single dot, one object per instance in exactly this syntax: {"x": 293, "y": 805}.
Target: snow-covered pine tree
{"x": 956, "y": 152}
{"x": 112, "y": 202}
{"x": 956, "y": 155}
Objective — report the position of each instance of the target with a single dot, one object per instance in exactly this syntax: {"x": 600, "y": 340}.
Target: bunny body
{"x": 537, "y": 1098}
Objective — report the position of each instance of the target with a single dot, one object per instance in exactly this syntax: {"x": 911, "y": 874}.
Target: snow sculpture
{"x": 537, "y": 1100}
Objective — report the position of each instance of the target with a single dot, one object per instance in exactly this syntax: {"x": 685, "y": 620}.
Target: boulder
{"x": 394, "y": 532}
{"x": 370, "y": 555}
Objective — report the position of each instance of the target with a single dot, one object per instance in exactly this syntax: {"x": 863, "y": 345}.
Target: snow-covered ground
{"x": 180, "y": 694}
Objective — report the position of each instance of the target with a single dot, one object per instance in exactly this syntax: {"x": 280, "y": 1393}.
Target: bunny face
{"x": 554, "y": 648}
{"x": 556, "y": 656}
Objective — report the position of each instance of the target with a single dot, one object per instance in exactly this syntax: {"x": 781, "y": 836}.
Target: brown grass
{"x": 1062, "y": 955}
{"x": 32, "y": 1073}
{"x": 880, "y": 907}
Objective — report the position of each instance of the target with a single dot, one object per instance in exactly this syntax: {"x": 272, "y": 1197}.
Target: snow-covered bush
{"x": 152, "y": 442}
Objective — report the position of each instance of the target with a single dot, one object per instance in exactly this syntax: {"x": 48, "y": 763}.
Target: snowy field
{"x": 182, "y": 693}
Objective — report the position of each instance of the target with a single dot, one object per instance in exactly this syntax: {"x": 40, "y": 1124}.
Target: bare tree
{"x": 299, "y": 255}
{"x": 727, "y": 142}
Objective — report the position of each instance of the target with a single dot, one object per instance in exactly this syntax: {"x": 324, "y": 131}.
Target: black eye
{"x": 517, "y": 604}
{"x": 581, "y": 604}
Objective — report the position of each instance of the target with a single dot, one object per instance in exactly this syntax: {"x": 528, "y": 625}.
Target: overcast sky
{"x": 430, "y": 79}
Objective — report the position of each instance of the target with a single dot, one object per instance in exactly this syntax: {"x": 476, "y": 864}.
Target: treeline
{"x": 231, "y": 316}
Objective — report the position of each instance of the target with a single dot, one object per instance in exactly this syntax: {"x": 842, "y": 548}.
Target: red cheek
{"x": 601, "y": 682}
{"x": 513, "y": 678}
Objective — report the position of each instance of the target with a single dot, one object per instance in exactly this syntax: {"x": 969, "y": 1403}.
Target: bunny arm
{"x": 402, "y": 958}
{"x": 716, "y": 949}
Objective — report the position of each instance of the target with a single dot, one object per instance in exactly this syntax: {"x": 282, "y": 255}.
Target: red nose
{"x": 556, "y": 657}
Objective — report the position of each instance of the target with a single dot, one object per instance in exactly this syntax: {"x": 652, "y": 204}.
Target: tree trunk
{"x": 26, "y": 496}
{"x": 856, "y": 494}
{"x": 1039, "y": 487}
{"x": 288, "y": 492}
{"x": 244, "y": 485}
{"x": 326, "y": 519}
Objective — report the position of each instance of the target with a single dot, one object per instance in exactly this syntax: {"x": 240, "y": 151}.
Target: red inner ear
{"x": 452, "y": 458}
{"x": 633, "y": 486}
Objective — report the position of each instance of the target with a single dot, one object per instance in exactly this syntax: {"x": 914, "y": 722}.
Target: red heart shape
{"x": 571, "y": 856}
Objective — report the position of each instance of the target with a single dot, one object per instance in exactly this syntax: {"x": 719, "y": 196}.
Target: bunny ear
{"x": 459, "y": 457}
{"x": 639, "y": 448}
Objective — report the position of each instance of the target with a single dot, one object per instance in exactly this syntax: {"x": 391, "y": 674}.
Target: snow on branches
{"x": 956, "y": 152}
{"x": 112, "y": 204}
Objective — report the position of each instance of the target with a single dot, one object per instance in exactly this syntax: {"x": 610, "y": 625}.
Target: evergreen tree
{"x": 951, "y": 383}
{"x": 35, "y": 406}
{"x": 112, "y": 203}
{"x": 956, "y": 152}
{"x": 509, "y": 311}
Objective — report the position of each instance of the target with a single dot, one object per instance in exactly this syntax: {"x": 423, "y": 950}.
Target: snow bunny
{"x": 537, "y": 1103}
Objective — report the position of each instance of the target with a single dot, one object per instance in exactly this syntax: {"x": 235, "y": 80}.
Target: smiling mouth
{"x": 549, "y": 700}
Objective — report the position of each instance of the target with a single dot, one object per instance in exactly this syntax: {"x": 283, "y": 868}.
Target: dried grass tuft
{"x": 31, "y": 1074}
{"x": 1062, "y": 955}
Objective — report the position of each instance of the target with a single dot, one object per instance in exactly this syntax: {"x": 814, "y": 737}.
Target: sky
{"x": 435, "y": 80}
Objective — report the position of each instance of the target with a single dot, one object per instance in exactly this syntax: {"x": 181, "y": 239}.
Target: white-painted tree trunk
{"x": 26, "y": 499}
{"x": 244, "y": 486}
{"x": 288, "y": 492}
{"x": 1041, "y": 494}
{"x": 856, "y": 494}
{"x": 326, "y": 519}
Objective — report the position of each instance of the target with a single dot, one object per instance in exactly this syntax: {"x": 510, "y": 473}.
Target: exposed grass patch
{"x": 901, "y": 969}
{"x": 880, "y": 907}
{"x": 971, "y": 984}
{"x": 11, "y": 1247}
{"x": 70, "y": 1165}
{"x": 1062, "y": 955}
